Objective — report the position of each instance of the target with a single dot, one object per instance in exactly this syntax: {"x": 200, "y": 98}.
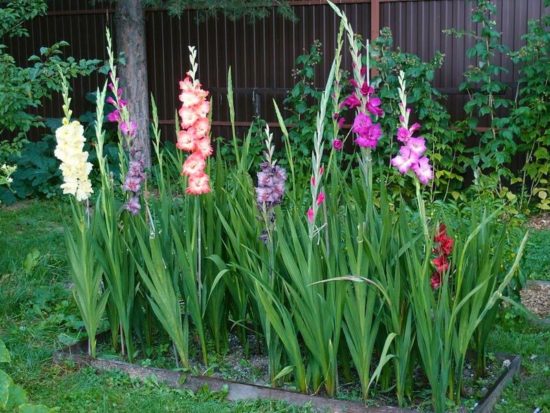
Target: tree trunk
{"x": 130, "y": 40}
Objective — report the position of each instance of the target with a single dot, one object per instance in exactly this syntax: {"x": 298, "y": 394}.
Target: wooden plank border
{"x": 237, "y": 391}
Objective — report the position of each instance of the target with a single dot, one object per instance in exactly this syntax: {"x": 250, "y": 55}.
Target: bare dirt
{"x": 536, "y": 298}
{"x": 541, "y": 221}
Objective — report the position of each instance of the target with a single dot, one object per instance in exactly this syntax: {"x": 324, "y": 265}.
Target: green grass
{"x": 536, "y": 264}
{"x": 38, "y": 316}
{"x": 531, "y": 389}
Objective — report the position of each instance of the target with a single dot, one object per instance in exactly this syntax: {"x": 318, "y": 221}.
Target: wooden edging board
{"x": 244, "y": 391}
{"x": 493, "y": 394}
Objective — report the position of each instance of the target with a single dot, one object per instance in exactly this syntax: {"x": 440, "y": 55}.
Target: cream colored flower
{"x": 74, "y": 161}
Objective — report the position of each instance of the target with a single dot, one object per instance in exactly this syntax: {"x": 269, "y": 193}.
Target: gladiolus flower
{"x": 320, "y": 198}
{"x": 203, "y": 109}
{"x": 74, "y": 166}
{"x": 133, "y": 205}
{"x": 441, "y": 264}
{"x": 445, "y": 242}
{"x": 405, "y": 160}
{"x": 114, "y": 116}
{"x": 194, "y": 165}
{"x": 204, "y": 147}
{"x": 189, "y": 98}
{"x": 198, "y": 184}
{"x": 188, "y": 116}
{"x": 417, "y": 146}
{"x": 271, "y": 185}
{"x": 435, "y": 280}
{"x": 423, "y": 170}
{"x": 337, "y": 144}
{"x": 366, "y": 89}
{"x": 351, "y": 102}
{"x": 410, "y": 155}
{"x": 373, "y": 106}
{"x": 310, "y": 216}
{"x": 186, "y": 140}
{"x": 368, "y": 133}
{"x": 128, "y": 128}
{"x": 202, "y": 127}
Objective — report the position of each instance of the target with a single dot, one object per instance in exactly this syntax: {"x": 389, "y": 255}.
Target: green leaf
{"x": 4, "y": 353}
{"x": 35, "y": 408}
{"x": 5, "y": 383}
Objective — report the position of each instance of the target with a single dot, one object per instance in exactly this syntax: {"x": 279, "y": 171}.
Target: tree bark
{"x": 130, "y": 40}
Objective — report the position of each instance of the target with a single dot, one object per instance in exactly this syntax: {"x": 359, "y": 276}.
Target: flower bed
{"x": 236, "y": 390}
{"x": 333, "y": 273}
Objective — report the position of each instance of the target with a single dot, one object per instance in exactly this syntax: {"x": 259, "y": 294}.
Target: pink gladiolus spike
{"x": 417, "y": 146}
{"x": 187, "y": 117}
{"x": 313, "y": 181}
{"x": 114, "y": 116}
{"x": 363, "y": 70}
{"x": 351, "y": 102}
{"x": 193, "y": 165}
{"x": 341, "y": 122}
{"x": 373, "y": 106}
{"x": 414, "y": 128}
{"x": 405, "y": 160}
{"x": 337, "y": 144}
{"x": 198, "y": 184}
{"x": 403, "y": 134}
{"x": 129, "y": 128}
{"x": 204, "y": 147}
{"x": 204, "y": 109}
{"x": 186, "y": 140}
{"x": 321, "y": 170}
{"x": 366, "y": 89}
{"x": 310, "y": 216}
{"x": 320, "y": 198}
{"x": 423, "y": 170}
{"x": 202, "y": 127}
{"x": 110, "y": 100}
{"x": 361, "y": 124}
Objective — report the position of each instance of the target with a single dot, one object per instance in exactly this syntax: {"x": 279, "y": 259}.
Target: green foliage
{"x": 486, "y": 95}
{"x": 14, "y": 13}
{"x": 12, "y": 396}
{"x": 24, "y": 88}
{"x": 530, "y": 116}
{"x": 302, "y": 104}
{"x": 234, "y": 9}
{"x": 37, "y": 172}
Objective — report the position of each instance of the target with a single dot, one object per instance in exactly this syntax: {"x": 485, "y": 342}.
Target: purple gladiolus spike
{"x": 133, "y": 205}
{"x": 271, "y": 185}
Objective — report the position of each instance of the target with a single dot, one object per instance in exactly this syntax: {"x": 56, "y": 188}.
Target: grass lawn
{"x": 38, "y": 316}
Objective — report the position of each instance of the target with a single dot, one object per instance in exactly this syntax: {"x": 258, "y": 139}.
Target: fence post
{"x": 374, "y": 25}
